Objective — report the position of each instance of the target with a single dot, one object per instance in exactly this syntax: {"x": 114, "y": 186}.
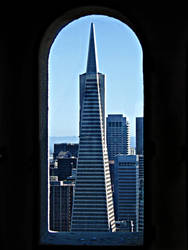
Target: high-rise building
{"x": 139, "y": 135}
{"x": 140, "y": 153}
{"x": 126, "y": 189}
{"x": 141, "y": 194}
{"x": 61, "y": 195}
{"x": 118, "y": 135}
{"x": 93, "y": 209}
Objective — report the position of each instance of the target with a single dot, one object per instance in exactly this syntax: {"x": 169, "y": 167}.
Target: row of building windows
{"x": 91, "y": 230}
{"x": 93, "y": 100}
{"x": 91, "y": 80}
{"x": 127, "y": 179}
{"x": 88, "y": 206}
{"x": 81, "y": 228}
{"x": 115, "y": 124}
{"x": 124, "y": 202}
{"x": 129, "y": 172}
{"x": 132, "y": 186}
{"x": 91, "y": 109}
{"x": 90, "y": 91}
{"x": 93, "y": 214}
{"x": 89, "y": 96}
{"x": 94, "y": 166}
{"x": 130, "y": 206}
{"x": 90, "y": 210}
{"x": 95, "y": 198}
{"x": 92, "y": 153}
{"x": 127, "y": 204}
{"x": 116, "y": 133}
{"x": 90, "y": 124}
{"x": 94, "y": 143}
{"x": 127, "y": 196}
{"x": 126, "y": 190}
{"x": 91, "y": 119}
{"x": 92, "y": 193}
{"x": 127, "y": 200}
{"x": 91, "y": 86}
{"x": 88, "y": 133}
{"x": 88, "y": 218}
{"x": 88, "y": 137}
{"x": 90, "y": 150}
{"x": 82, "y": 161}
{"x": 90, "y": 170}
{"x": 91, "y": 165}
{"x": 126, "y": 163}
{"x": 91, "y": 128}
{"x": 90, "y": 143}
{"x": 90, "y": 99}
{"x": 92, "y": 115}
{"x": 88, "y": 178}
{"x": 101, "y": 222}
{"x": 99, "y": 182}
{"x": 91, "y": 174}
{"x": 89, "y": 140}
{"x": 91, "y": 106}
{"x": 92, "y": 96}
{"x": 85, "y": 202}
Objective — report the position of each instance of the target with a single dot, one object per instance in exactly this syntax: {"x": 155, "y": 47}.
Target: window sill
{"x": 93, "y": 238}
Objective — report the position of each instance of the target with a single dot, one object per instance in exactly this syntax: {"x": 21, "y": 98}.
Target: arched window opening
{"x": 93, "y": 167}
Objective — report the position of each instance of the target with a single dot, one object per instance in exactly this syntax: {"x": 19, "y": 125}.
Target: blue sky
{"x": 119, "y": 58}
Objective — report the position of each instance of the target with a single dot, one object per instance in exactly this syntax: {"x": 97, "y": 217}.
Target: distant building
{"x": 117, "y": 135}
{"x": 140, "y": 153}
{"x": 125, "y": 226}
{"x": 132, "y": 151}
{"x": 61, "y": 195}
{"x": 126, "y": 189}
{"x": 141, "y": 194}
{"x": 65, "y": 166}
{"x": 65, "y": 147}
{"x": 62, "y": 167}
{"x": 139, "y": 135}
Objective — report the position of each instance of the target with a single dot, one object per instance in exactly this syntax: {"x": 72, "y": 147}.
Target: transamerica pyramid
{"x": 93, "y": 209}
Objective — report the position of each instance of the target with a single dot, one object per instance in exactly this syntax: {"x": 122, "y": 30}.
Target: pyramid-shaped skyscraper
{"x": 93, "y": 209}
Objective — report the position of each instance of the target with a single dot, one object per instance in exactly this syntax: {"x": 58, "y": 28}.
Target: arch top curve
{"x": 72, "y": 15}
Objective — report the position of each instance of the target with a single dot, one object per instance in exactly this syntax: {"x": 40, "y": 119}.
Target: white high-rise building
{"x": 93, "y": 209}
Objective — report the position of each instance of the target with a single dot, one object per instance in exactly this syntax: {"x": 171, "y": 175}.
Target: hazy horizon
{"x": 75, "y": 139}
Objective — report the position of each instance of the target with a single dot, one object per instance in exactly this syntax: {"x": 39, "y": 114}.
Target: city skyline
{"x": 115, "y": 41}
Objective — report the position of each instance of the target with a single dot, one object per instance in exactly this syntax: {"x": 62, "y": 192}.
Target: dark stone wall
{"x": 162, "y": 31}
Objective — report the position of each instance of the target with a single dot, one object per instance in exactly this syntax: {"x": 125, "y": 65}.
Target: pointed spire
{"x": 92, "y": 62}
